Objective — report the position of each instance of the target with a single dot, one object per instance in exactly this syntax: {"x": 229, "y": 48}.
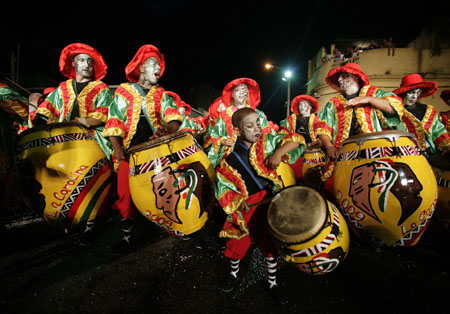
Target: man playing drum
{"x": 83, "y": 98}
{"x": 420, "y": 119}
{"x": 302, "y": 121}
{"x": 359, "y": 108}
{"x": 219, "y": 139}
{"x": 247, "y": 176}
{"x": 141, "y": 110}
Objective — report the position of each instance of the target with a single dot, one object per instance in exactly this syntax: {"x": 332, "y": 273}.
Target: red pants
{"x": 124, "y": 202}
{"x": 256, "y": 223}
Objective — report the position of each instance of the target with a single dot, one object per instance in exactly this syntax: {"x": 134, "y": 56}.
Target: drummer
{"x": 239, "y": 93}
{"x": 359, "y": 108}
{"x": 83, "y": 98}
{"x": 445, "y": 115}
{"x": 422, "y": 120}
{"x": 302, "y": 121}
{"x": 247, "y": 176}
{"x": 141, "y": 110}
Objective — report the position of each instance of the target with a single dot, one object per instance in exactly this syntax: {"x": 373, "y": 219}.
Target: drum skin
{"x": 171, "y": 182}
{"x": 385, "y": 188}
{"x": 309, "y": 231}
{"x": 72, "y": 169}
{"x": 441, "y": 168}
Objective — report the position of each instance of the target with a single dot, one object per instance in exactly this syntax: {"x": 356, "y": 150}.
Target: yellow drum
{"x": 171, "y": 182}
{"x": 286, "y": 173}
{"x": 309, "y": 230}
{"x": 441, "y": 168}
{"x": 385, "y": 188}
{"x": 312, "y": 166}
{"x": 72, "y": 170}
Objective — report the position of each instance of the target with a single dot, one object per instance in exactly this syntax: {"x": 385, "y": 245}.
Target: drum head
{"x": 157, "y": 141}
{"x": 297, "y": 214}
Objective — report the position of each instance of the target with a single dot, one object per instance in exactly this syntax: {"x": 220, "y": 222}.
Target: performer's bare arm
{"x": 119, "y": 152}
{"x": 378, "y": 103}
{"x": 331, "y": 150}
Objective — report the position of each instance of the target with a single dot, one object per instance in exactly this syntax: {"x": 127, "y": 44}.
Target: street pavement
{"x": 45, "y": 270}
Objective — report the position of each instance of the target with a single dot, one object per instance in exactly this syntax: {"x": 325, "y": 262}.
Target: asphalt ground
{"x": 45, "y": 270}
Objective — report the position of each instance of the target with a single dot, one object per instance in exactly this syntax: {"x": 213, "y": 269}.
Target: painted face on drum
{"x": 304, "y": 107}
{"x": 150, "y": 72}
{"x": 411, "y": 97}
{"x": 84, "y": 67}
{"x": 240, "y": 95}
{"x": 165, "y": 189}
{"x": 250, "y": 129}
{"x": 348, "y": 83}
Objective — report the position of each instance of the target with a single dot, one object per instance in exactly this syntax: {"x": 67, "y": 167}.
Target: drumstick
{"x": 17, "y": 85}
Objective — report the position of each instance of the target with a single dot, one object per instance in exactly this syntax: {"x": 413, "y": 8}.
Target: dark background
{"x": 206, "y": 44}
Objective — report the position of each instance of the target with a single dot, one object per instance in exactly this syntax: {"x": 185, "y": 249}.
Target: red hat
{"x": 352, "y": 68}
{"x": 299, "y": 98}
{"x": 445, "y": 95}
{"x": 70, "y": 51}
{"x": 413, "y": 81}
{"x": 253, "y": 89}
{"x": 132, "y": 69}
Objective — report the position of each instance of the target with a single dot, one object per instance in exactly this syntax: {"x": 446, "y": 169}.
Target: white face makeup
{"x": 240, "y": 95}
{"x": 84, "y": 67}
{"x": 251, "y": 128}
{"x": 348, "y": 83}
{"x": 304, "y": 107}
{"x": 150, "y": 72}
{"x": 411, "y": 97}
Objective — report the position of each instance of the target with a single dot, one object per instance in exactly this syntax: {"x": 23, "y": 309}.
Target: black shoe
{"x": 121, "y": 248}
{"x": 229, "y": 283}
{"x": 87, "y": 238}
{"x": 277, "y": 293}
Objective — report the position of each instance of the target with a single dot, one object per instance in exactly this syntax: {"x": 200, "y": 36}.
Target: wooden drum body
{"x": 385, "y": 188}
{"x": 309, "y": 230}
{"x": 171, "y": 182}
{"x": 72, "y": 170}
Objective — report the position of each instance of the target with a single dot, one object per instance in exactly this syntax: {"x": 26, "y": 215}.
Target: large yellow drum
{"x": 72, "y": 170}
{"x": 171, "y": 182}
{"x": 385, "y": 188}
{"x": 441, "y": 168}
{"x": 309, "y": 230}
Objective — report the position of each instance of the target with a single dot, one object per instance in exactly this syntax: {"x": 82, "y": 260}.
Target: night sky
{"x": 205, "y": 43}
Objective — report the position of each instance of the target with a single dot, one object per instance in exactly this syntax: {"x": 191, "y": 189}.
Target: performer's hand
{"x": 119, "y": 154}
{"x": 358, "y": 101}
{"x": 273, "y": 161}
{"x": 160, "y": 132}
{"x": 332, "y": 152}
{"x": 228, "y": 142}
{"x": 243, "y": 207}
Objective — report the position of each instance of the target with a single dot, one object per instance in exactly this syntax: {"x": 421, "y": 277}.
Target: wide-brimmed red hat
{"x": 352, "y": 68}
{"x": 253, "y": 89}
{"x": 294, "y": 104}
{"x": 132, "y": 69}
{"x": 69, "y": 52}
{"x": 445, "y": 95}
{"x": 413, "y": 81}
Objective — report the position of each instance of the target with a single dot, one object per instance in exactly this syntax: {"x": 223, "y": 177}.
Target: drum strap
{"x": 54, "y": 140}
{"x": 165, "y": 160}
